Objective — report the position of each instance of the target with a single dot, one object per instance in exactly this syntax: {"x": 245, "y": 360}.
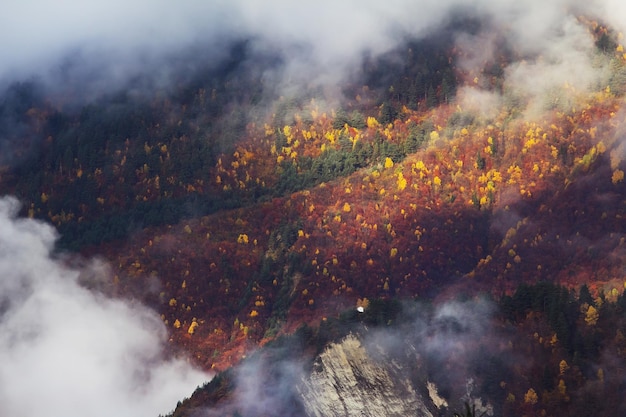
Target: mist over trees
{"x": 443, "y": 180}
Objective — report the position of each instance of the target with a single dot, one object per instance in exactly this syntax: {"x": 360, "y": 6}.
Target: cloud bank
{"x": 68, "y": 351}
{"x": 109, "y": 43}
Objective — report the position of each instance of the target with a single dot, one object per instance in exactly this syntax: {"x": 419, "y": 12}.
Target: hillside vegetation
{"x": 240, "y": 213}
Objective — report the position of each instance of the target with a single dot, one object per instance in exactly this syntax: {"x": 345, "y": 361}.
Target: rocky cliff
{"x": 347, "y": 380}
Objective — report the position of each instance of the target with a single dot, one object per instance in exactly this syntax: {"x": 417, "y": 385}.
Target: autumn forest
{"x": 249, "y": 215}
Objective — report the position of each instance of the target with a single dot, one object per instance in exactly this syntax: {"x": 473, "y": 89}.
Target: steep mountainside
{"x": 241, "y": 213}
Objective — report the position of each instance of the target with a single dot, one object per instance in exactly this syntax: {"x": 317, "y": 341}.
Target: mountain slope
{"x": 240, "y": 214}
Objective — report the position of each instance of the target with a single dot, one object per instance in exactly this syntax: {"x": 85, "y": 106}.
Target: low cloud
{"x": 69, "y": 351}
{"x": 105, "y": 44}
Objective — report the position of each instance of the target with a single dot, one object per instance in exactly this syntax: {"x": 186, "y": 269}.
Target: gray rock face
{"x": 346, "y": 381}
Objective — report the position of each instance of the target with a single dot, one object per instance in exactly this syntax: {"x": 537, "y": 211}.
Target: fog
{"x": 445, "y": 343}
{"x": 105, "y": 44}
{"x": 66, "y": 350}
{"x": 69, "y": 351}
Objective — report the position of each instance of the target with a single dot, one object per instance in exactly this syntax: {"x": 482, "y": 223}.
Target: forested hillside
{"x": 243, "y": 211}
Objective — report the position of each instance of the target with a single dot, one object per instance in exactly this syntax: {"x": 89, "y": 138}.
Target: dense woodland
{"x": 242, "y": 215}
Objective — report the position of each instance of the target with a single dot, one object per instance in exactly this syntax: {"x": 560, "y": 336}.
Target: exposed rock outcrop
{"x": 346, "y": 381}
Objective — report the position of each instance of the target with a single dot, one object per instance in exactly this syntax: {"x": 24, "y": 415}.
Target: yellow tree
{"x": 592, "y": 316}
{"x": 531, "y": 397}
{"x": 401, "y": 182}
{"x": 192, "y": 327}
